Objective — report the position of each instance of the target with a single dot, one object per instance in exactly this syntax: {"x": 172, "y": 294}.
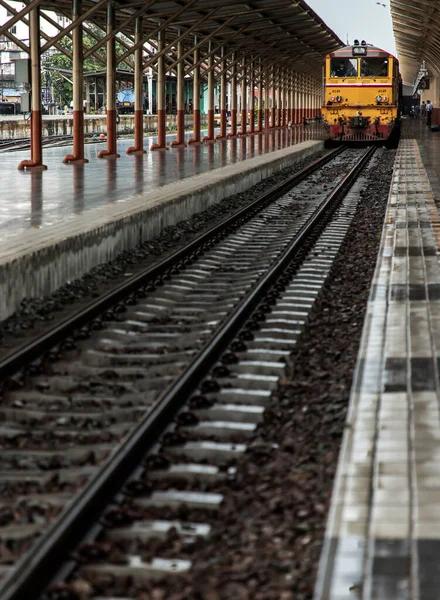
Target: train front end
{"x": 361, "y": 94}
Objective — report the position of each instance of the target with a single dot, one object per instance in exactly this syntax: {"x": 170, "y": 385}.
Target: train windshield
{"x": 344, "y": 67}
{"x": 374, "y": 67}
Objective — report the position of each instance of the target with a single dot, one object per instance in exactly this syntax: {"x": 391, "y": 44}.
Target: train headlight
{"x": 378, "y": 99}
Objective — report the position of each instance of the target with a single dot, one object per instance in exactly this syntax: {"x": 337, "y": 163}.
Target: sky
{"x": 362, "y": 20}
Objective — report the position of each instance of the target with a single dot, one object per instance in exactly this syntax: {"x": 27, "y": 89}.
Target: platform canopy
{"x": 416, "y": 25}
{"x": 285, "y": 31}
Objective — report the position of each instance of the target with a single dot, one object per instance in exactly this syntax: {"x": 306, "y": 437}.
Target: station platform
{"x": 58, "y": 224}
{"x": 383, "y": 531}
{"x": 43, "y": 199}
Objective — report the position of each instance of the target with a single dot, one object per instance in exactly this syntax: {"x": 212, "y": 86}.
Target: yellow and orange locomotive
{"x": 362, "y": 92}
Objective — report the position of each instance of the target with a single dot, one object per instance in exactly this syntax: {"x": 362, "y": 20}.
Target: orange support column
{"x": 111, "y": 151}
{"x": 233, "y": 99}
{"x": 138, "y": 147}
{"x": 211, "y": 81}
{"x": 78, "y": 91}
{"x": 243, "y": 100}
{"x": 36, "y": 161}
{"x": 180, "y": 97}
{"x": 223, "y": 84}
{"x": 160, "y": 95}
{"x": 196, "y": 97}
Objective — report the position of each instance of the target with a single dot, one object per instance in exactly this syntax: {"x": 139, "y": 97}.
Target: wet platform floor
{"x": 40, "y": 199}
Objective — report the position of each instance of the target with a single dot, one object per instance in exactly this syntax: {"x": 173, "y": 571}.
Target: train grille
{"x": 361, "y": 137}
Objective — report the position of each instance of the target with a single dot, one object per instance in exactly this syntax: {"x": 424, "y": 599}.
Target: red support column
{"x": 78, "y": 91}
{"x": 223, "y": 84}
{"x": 233, "y": 100}
{"x": 211, "y": 81}
{"x": 111, "y": 151}
{"x": 138, "y": 147}
{"x": 36, "y": 161}
{"x": 180, "y": 97}
{"x": 160, "y": 96}
{"x": 243, "y": 100}
{"x": 196, "y": 97}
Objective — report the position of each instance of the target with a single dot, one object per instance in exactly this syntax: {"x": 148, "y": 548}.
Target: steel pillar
{"x": 36, "y": 161}
{"x": 211, "y": 82}
{"x": 223, "y": 86}
{"x": 267, "y": 100}
{"x": 233, "y": 99}
{"x": 180, "y": 98}
{"x": 273, "y": 95}
{"x": 243, "y": 99}
{"x": 138, "y": 147}
{"x": 111, "y": 151}
{"x": 292, "y": 99}
{"x": 160, "y": 95}
{"x": 252, "y": 99}
{"x": 88, "y": 96}
{"x": 96, "y": 96}
{"x": 307, "y": 98}
{"x": 78, "y": 90}
{"x": 260, "y": 100}
{"x": 280, "y": 97}
{"x": 196, "y": 96}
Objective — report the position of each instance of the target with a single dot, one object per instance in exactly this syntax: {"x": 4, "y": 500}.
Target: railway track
{"x": 206, "y": 332}
{"x": 25, "y": 143}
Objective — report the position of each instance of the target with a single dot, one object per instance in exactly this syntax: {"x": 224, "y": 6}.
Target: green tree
{"x": 60, "y": 66}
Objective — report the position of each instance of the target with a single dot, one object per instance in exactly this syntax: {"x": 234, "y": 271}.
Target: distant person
{"x": 423, "y": 110}
{"x": 417, "y": 111}
{"x": 429, "y": 109}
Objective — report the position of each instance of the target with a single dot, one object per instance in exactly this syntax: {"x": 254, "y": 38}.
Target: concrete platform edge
{"x": 41, "y": 261}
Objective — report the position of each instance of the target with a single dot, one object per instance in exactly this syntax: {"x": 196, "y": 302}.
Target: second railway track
{"x": 80, "y": 429}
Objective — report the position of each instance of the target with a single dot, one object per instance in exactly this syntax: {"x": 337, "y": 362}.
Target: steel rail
{"x": 37, "y": 570}
{"x": 29, "y": 351}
